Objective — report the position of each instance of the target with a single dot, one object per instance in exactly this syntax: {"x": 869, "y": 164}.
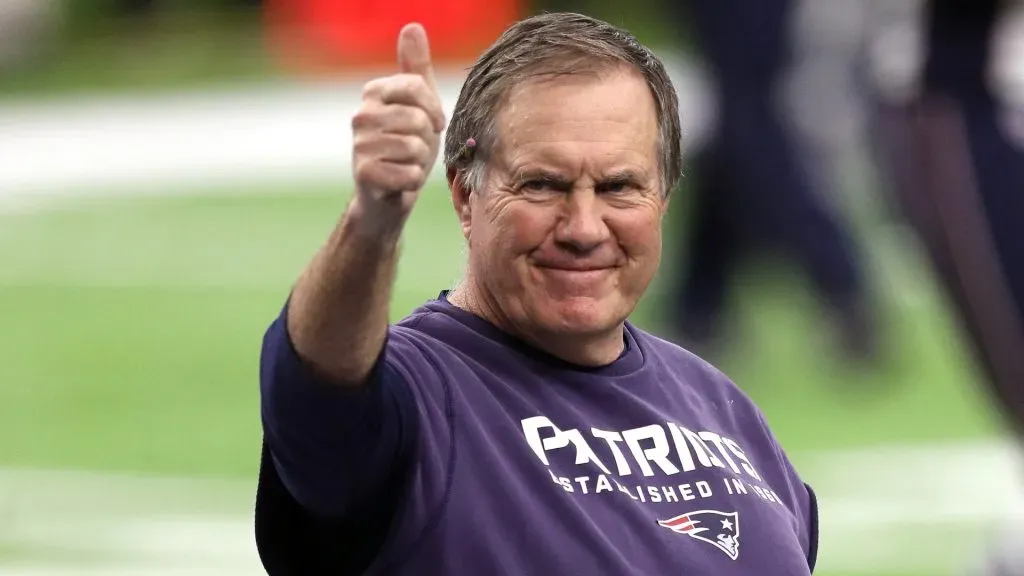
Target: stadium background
{"x": 164, "y": 177}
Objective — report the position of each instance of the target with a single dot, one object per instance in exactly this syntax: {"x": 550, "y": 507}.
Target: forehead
{"x": 607, "y": 114}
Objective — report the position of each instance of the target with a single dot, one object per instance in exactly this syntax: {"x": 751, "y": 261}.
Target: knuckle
{"x": 420, "y": 84}
{"x": 372, "y": 89}
{"x": 362, "y": 170}
{"x": 437, "y": 117}
{"x": 393, "y": 179}
{"x": 421, "y": 122}
{"x": 417, "y": 89}
{"x": 400, "y": 177}
{"x": 416, "y": 174}
{"x": 406, "y": 119}
{"x": 425, "y": 154}
{"x": 422, "y": 149}
{"x": 413, "y": 81}
{"x": 413, "y": 145}
{"x": 360, "y": 143}
{"x": 396, "y": 181}
{"x": 375, "y": 85}
{"x": 362, "y": 118}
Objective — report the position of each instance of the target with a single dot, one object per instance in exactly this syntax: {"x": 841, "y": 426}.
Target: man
{"x": 753, "y": 193}
{"x": 518, "y": 424}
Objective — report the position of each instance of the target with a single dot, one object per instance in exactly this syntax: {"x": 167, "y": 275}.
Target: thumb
{"x": 414, "y": 53}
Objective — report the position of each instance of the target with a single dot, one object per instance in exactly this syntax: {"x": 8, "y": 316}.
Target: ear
{"x": 460, "y": 200}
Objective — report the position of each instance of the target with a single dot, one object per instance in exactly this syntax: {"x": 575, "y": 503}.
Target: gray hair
{"x": 554, "y": 44}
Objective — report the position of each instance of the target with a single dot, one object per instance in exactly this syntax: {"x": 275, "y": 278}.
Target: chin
{"x": 583, "y": 315}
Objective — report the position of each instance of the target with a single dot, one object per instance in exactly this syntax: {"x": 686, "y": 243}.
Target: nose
{"x": 582, "y": 227}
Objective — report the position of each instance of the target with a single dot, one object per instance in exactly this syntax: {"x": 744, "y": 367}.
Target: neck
{"x": 589, "y": 349}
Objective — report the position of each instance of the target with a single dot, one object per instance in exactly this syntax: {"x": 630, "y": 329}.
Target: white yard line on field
{"x": 145, "y": 144}
{"x": 896, "y": 509}
{"x": 148, "y": 144}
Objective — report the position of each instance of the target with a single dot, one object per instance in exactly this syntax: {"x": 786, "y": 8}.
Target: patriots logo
{"x": 720, "y": 529}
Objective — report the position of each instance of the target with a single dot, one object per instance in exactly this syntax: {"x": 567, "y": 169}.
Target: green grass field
{"x": 132, "y": 330}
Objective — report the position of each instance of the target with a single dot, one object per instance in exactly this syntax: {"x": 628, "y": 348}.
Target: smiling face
{"x": 565, "y": 232}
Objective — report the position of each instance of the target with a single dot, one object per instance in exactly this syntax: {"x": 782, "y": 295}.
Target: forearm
{"x": 338, "y": 311}
{"x": 339, "y": 308}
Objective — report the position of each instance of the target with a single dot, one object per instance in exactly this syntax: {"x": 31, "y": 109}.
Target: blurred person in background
{"x": 827, "y": 91}
{"x": 26, "y": 29}
{"x": 754, "y": 193}
{"x": 144, "y": 7}
{"x": 956, "y": 162}
{"x": 954, "y": 151}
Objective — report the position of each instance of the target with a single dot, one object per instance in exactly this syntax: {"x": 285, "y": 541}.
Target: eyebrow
{"x": 540, "y": 174}
{"x": 624, "y": 176}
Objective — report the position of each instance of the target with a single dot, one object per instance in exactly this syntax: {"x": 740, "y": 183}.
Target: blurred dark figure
{"x": 960, "y": 180}
{"x": 142, "y": 7}
{"x": 753, "y": 191}
{"x": 28, "y": 29}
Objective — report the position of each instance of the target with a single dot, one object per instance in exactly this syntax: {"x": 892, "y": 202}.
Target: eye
{"x": 535, "y": 185}
{"x": 543, "y": 184}
{"x": 615, "y": 187}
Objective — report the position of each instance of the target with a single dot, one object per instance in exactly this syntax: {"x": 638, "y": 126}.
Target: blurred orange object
{"x": 328, "y": 36}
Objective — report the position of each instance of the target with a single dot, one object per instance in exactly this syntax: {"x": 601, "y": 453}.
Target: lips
{"x": 574, "y": 268}
{"x": 577, "y": 276}
{"x": 568, "y": 270}
{"x": 575, "y": 265}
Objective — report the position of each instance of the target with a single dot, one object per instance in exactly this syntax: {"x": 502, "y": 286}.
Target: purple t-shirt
{"x": 470, "y": 453}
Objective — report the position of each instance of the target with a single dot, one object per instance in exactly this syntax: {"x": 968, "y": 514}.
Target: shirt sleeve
{"x": 331, "y": 445}
{"x": 812, "y": 505}
{"x": 332, "y": 460}
{"x": 798, "y": 496}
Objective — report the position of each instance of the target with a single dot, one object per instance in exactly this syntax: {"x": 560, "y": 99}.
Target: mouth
{"x": 577, "y": 274}
{"x": 573, "y": 268}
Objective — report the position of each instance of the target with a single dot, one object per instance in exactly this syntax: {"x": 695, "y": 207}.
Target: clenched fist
{"x": 397, "y": 129}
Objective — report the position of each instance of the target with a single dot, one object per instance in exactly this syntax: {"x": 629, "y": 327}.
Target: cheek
{"x": 640, "y": 237}
{"x": 520, "y": 229}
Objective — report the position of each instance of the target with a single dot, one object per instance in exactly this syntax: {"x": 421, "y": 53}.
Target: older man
{"x": 518, "y": 424}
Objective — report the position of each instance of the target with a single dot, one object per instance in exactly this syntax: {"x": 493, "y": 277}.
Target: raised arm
{"x": 338, "y": 431}
{"x": 338, "y": 312}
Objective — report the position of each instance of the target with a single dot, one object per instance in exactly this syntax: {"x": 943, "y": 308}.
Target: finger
{"x": 410, "y": 90}
{"x": 391, "y": 176}
{"x": 393, "y": 148}
{"x": 414, "y": 53}
{"x": 395, "y": 119}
